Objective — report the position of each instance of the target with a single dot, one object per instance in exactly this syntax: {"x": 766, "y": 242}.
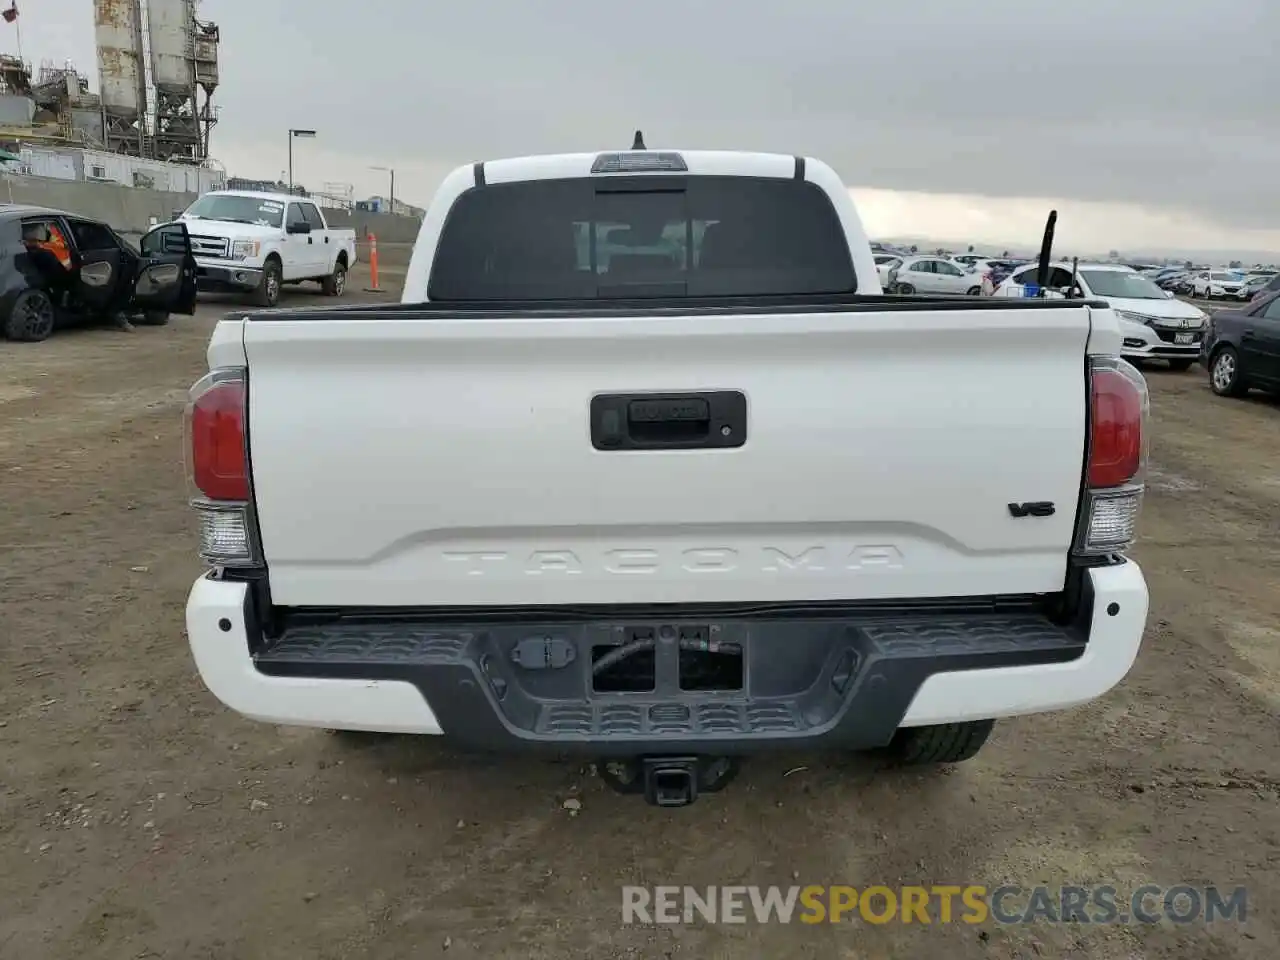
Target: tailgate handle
{"x": 665, "y": 421}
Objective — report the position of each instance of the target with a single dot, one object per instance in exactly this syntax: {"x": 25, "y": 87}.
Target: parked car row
{"x": 1215, "y": 284}
{"x": 1154, "y": 324}
{"x": 1206, "y": 284}
{"x": 966, "y": 274}
{"x": 1238, "y": 346}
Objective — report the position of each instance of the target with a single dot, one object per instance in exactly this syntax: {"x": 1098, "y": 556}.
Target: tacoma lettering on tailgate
{"x": 642, "y": 561}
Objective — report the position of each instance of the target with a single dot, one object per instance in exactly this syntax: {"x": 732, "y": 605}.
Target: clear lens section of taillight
{"x": 1112, "y": 521}
{"x": 226, "y": 534}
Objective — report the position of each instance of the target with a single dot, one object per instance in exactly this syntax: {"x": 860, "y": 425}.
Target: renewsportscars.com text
{"x": 972, "y": 904}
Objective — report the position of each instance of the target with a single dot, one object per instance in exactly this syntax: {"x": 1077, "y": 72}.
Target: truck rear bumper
{"x": 826, "y": 679}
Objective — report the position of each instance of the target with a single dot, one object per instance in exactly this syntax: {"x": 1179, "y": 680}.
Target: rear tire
{"x": 975, "y": 291}
{"x": 335, "y": 284}
{"x": 32, "y": 317}
{"x": 268, "y": 292}
{"x": 905, "y": 289}
{"x": 1180, "y": 366}
{"x": 944, "y": 743}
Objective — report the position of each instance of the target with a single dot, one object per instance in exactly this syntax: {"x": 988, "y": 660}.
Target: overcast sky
{"x": 1145, "y": 122}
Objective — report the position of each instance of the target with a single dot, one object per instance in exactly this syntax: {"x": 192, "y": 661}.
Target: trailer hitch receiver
{"x": 668, "y": 781}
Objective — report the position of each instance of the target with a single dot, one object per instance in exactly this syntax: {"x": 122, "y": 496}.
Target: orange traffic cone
{"x": 373, "y": 265}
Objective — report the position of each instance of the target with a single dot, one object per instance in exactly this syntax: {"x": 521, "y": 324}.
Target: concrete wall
{"x": 127, "y": 209}
{"x": 130, "y": 210}
{"x": 387, "y": 228}
{"x": 395, "y": 234}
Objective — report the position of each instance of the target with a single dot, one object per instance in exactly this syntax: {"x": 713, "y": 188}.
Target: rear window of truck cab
{"x": 598, "y": 237}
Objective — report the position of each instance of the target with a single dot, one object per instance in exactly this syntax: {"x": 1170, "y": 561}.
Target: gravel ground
{"x": 139, "y": 818}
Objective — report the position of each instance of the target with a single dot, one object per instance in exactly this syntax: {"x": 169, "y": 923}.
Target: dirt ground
{"x": 139, "y": 818}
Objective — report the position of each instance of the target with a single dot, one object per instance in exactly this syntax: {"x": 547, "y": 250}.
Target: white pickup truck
{"x": 254, "y": 243}
{"x": 645, "y": 466}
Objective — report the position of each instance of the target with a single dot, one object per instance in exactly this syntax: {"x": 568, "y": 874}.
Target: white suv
{"x": 1209, "y": 284}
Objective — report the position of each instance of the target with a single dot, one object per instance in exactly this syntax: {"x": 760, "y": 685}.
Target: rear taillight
{"x": 218, "y": 468}
{"x": 1119, "y": 410}
{"x": 215, "y": 417}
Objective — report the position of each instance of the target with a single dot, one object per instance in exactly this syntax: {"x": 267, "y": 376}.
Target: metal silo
{"x": 184, "y": 64}
{"x": 171, "y": 23}
{"x": 117, "y": 26}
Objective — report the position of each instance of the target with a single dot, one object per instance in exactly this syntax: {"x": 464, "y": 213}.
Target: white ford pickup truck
{"x": 254, "y": 243}
{"x": 646, "y": 466}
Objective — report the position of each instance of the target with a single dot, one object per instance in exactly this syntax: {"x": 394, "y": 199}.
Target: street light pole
{"x": 391, "y": 201}
{"x": 295, "y": 133}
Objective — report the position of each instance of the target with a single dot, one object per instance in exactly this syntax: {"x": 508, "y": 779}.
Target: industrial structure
{"x": 117, "y": 34}
{"x": 184, "y": 70}
{"x": 53, "y": 106}
{"x": 157, "y": 72}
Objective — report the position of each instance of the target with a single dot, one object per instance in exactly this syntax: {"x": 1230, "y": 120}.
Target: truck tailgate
{"x": 415, "y": 459}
